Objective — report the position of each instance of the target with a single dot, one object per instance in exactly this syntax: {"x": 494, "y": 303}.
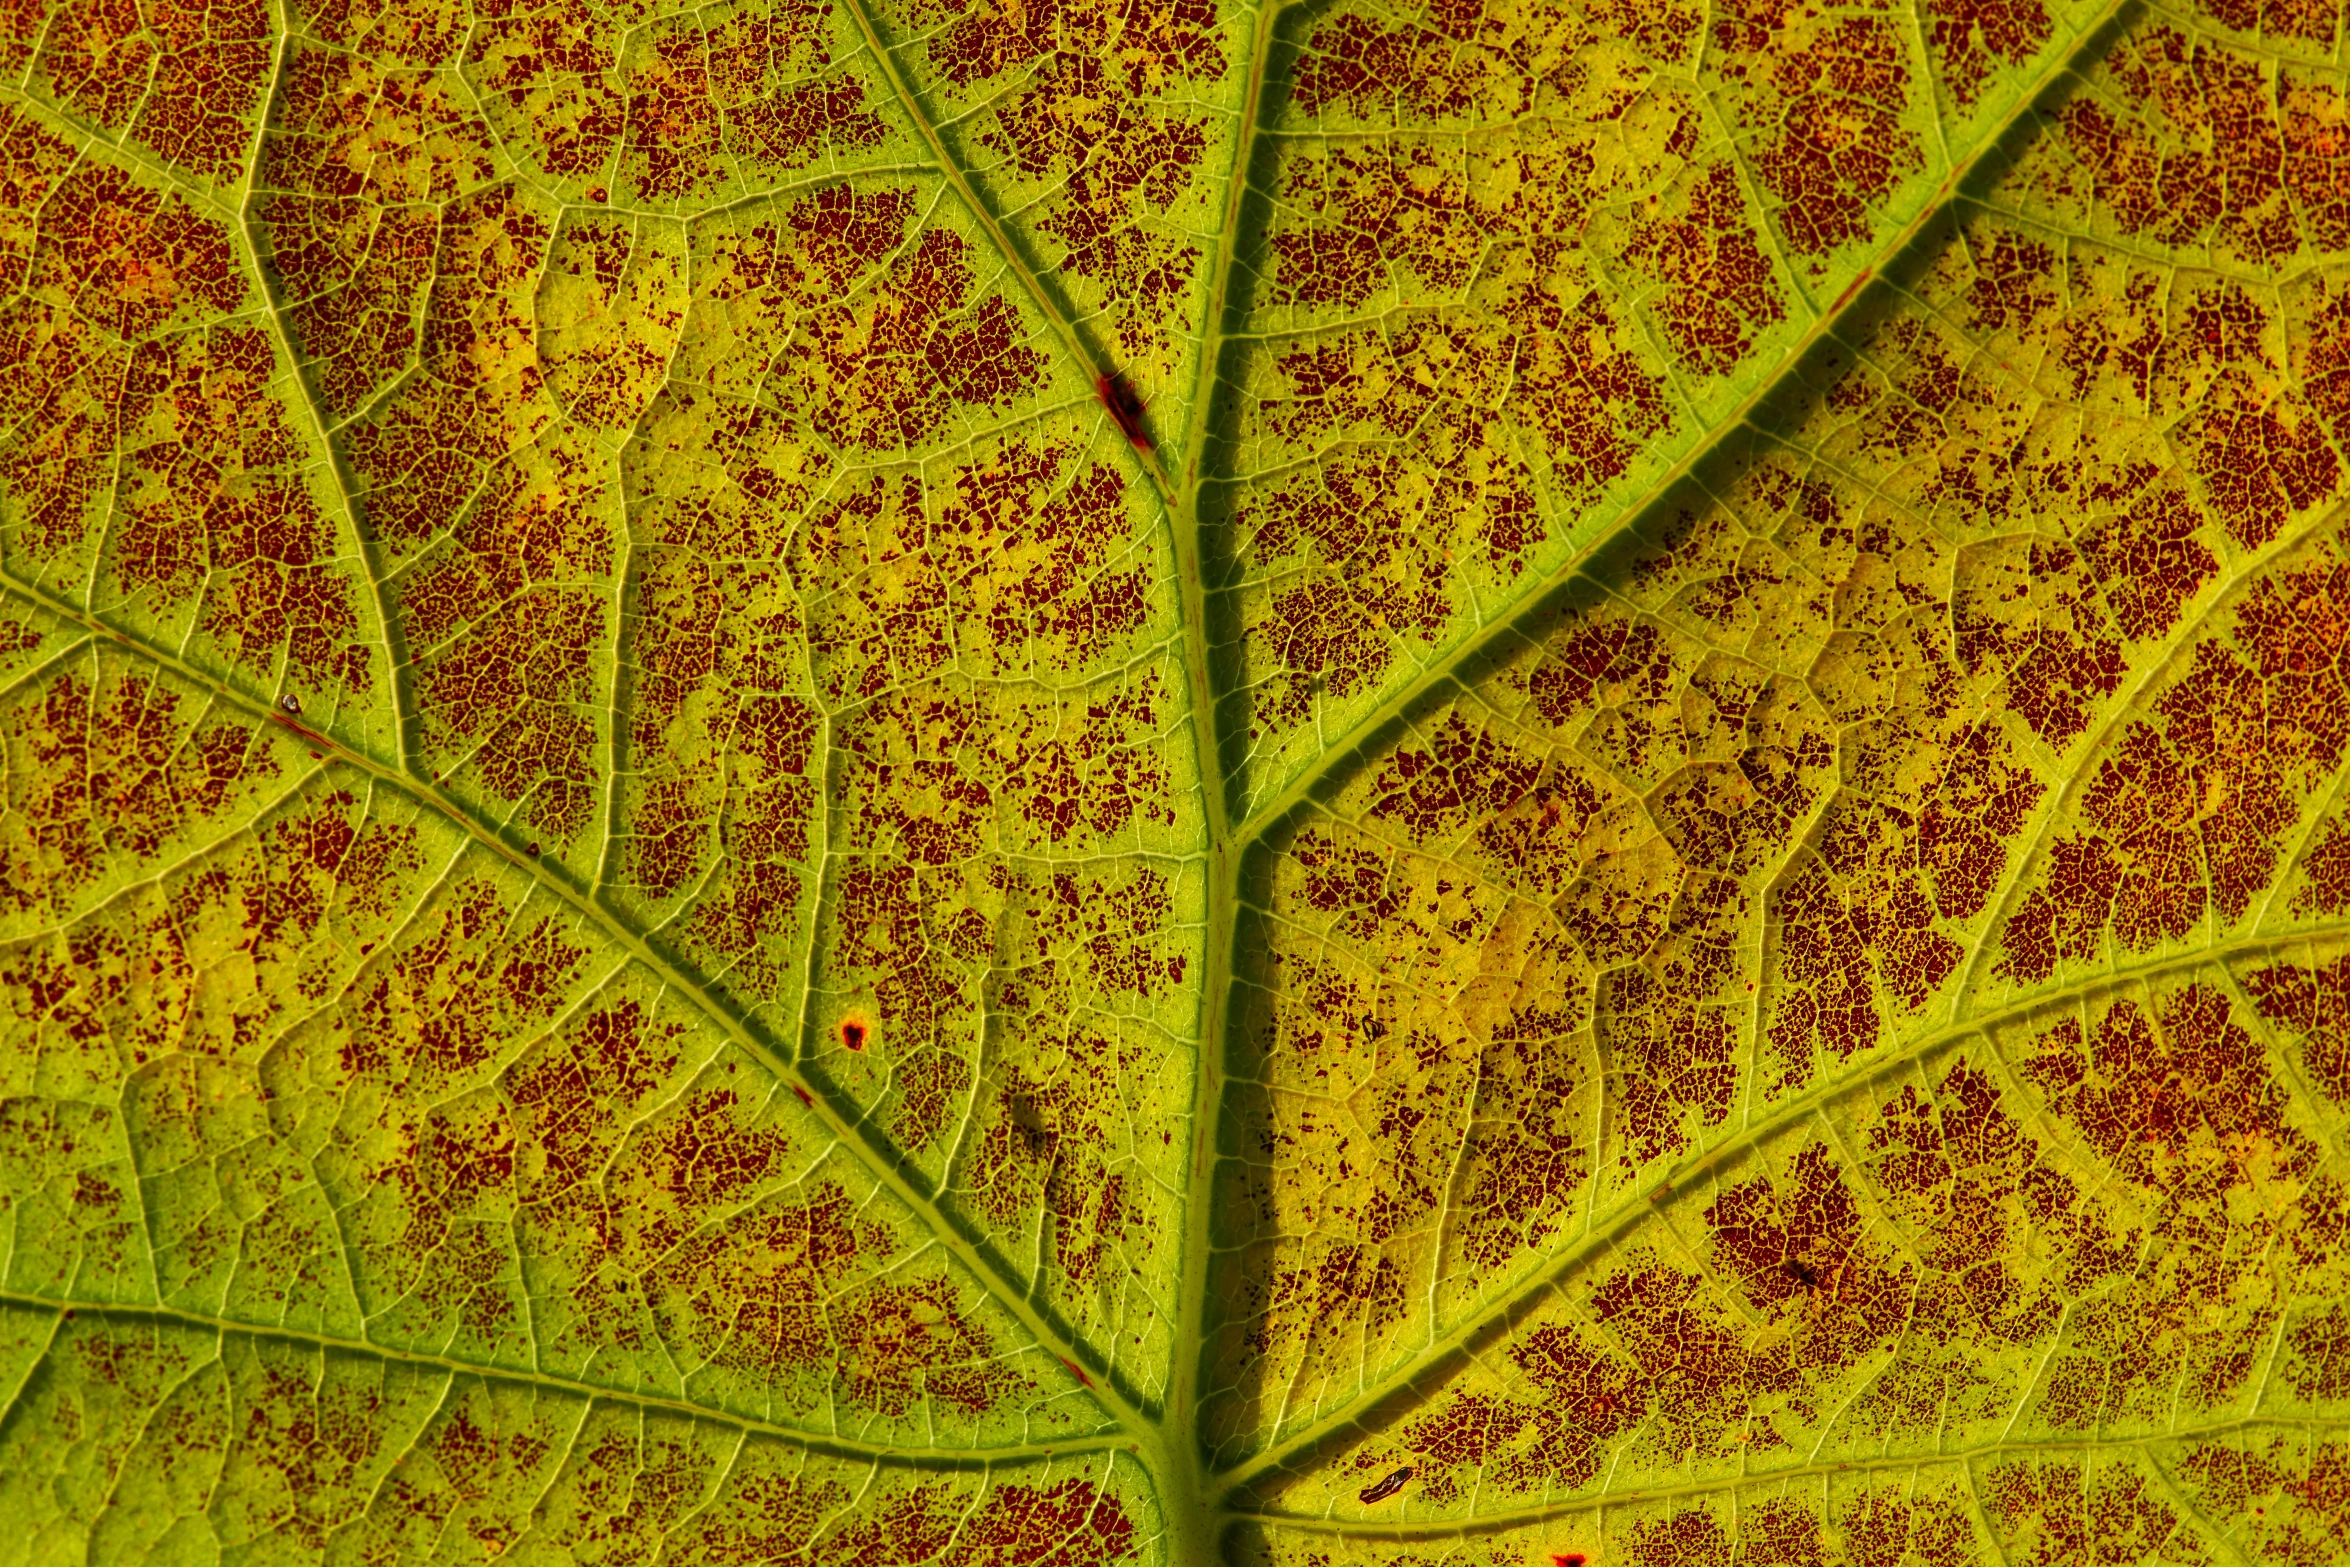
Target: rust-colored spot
{"x": 1125, "y": 406}
{"x": 852, "y": 1033}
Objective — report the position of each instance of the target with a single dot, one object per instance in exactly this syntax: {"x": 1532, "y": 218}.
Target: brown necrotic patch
{"x": 1659, "y": 1366}
{"x": 506, "y": 657}
{"x": 1046, "y": 1147}
{"x": 2084, "y": 1508}
{"x": 424, "y": 454}
{"x": 1972, "y": 42}
{"x": 182, "y": 79}
{"x": 1777, "y": 1532}
{"x": 1099, "y": 119}
{"x": 1587, "y": 1398}
{"x": 573, "y": 1094}
{"x": 1376, "y": 213}
{"x": 216, "y": 506}
{"x": 460, "y": 985}
{"x": 2288, "y": 1492}
{"x": 2325, "y": 867}
{"x": 1828, "y": 96}
{"x": 122, "y": 403}
{"x": 722, "y": 735}
{"x": 1468, "y": 59}
{"x": 783, "y": 1297}
{"x": 946, "y": 787}
{"x": 114, "y": 773}
{"x": 2187, "y": 810}
{"x": 2311, "y": 1002}
{"x": 675, "y": 111}
{"x": 1672, "y": 1062}
{"x": 1718, "y": 292}
{"x": 884, "y": 370}
{"x": 703, "y": 103}
{"x": 2191, "y": 144}
{"x": 358, "y": 164}
{"x": 1467, "y": 774}
{"x": 2178, "y": 1098}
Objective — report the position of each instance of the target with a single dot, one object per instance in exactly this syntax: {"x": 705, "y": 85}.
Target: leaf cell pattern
{"x": 1096, "y": 782}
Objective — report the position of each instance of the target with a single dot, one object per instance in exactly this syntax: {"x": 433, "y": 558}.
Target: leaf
{"x": 1086, "y": 783}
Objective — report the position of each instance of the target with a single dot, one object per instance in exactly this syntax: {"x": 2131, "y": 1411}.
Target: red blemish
{"x": 1850, "y": 289}
{"x": 852, "y": 1033}
{"x": 1124, "y": 406}
{"x": 1078, "y": 1372}
{"x": 806, "y": 1098}
{"x": 1570, "y": 1559}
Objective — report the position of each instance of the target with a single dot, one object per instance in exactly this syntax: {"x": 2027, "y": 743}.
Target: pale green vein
{"x": 2058, "y": 1447}
{"x": 1605, "y": 1229}
{"x": 1502, "y": 624}
{"x": 570, "y": 1387}
{"x": 1015, "y": 260}
{"x": 248, "y": 231}
{"x": 855, "y": 1136}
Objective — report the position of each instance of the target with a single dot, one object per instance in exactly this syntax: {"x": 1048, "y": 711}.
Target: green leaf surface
{"x": 1135, "y": 783}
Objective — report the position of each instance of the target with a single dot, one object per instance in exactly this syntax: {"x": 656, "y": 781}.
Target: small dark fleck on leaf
{"x": 1125, "y": 407}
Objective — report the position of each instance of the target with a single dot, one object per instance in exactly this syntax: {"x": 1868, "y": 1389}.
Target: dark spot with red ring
{"x": 852, "y": 1034}
{"x": 1385, "y": 1488}
{"x": 532, "y": 850}
{"x": 1570, "y": 1559}
{"x": 1125, "y": 406}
